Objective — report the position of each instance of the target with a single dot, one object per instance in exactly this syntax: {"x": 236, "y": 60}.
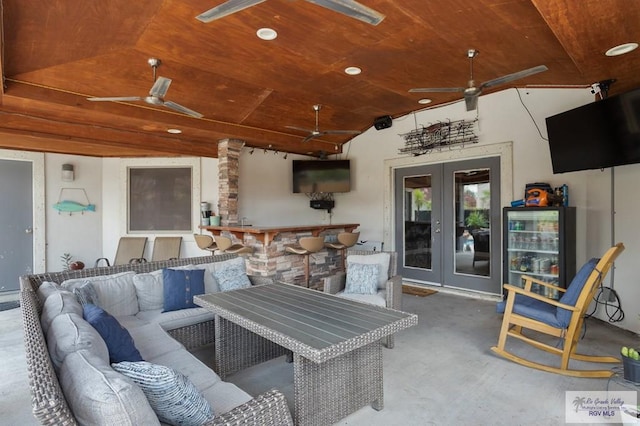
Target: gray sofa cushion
{"x": 176, "y": 319}
{"x": 152, "y": 341}
{"x": 225, "y": 396}
{"x": 98, "y": 395}
{"x": 69, "y": 333}
{"x": 62, "y": 302}
{"x": 46, "y": 289}
{"x": 116, "y": 292}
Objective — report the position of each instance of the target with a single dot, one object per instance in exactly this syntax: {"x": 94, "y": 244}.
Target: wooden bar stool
{"x": 305, "y": 247}
{"x": 205, "y": 242}
{"x": 345, "y": 240}
{"x": 225, "y": 245}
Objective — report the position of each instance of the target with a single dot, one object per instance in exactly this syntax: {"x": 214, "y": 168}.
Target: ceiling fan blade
{"x": 177, "y": 107}
{"x": 353, "y": 9}
{"x": 226, "y": 8}
{"x": 160, "y": 87}
{"x": 514, "y": 76}
{"x": 436, "y": 89}
{"x": 311, "y": 136}
{"x": 342, "y": 132}
{"x": 116, "y": 99}
{"x": 471, "y": 102}
{"x": 300, "y": 128}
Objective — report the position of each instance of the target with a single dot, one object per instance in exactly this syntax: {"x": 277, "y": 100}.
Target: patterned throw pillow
{"x": 179, "y": 287}
{"x": 171, "y": 394}
{"x": 118, "y": 340}
{"x": 362, "y": 278}
{"x": 232, "y": 274}
{"x": 382, "y": 259}
{"x": 86, "y": 294}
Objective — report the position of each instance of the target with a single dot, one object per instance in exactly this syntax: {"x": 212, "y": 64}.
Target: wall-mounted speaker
{"x": 383, "y": 122}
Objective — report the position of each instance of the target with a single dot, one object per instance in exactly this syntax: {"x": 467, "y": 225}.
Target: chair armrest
{"x": 335, "y": 283}
{"x": 269, "y": 408}
{"x": 394, "y": 292}
{"x": 528, "y": 278}
{"x": 261, "y": 279}
{"x": 513, "y": 290}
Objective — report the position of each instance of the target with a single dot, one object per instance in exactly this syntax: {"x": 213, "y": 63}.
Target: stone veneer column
{"x": 228, "y": 175}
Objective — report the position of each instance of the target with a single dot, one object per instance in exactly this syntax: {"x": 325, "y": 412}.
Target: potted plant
{"x": 476, "y": 219}
{"x": 630, "y": 364}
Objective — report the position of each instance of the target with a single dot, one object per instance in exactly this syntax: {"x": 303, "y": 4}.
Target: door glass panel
{"x": 417, "y": 221}
{"x": 473, "y": 230}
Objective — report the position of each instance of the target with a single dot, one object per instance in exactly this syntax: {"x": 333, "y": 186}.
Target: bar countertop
{"x": 266, "y": 234}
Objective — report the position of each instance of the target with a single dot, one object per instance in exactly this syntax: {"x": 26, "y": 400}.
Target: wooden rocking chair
{"x": 559, "y": 318}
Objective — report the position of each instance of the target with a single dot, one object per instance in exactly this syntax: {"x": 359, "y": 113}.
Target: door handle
{"x": 29, "y": 230}
{"x": 437, "y": 230}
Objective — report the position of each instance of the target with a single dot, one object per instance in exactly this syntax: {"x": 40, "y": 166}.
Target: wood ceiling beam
{"x": 44, "y": 128}
{"x": 28, "y": 141}
{"x": 143, "y": 122}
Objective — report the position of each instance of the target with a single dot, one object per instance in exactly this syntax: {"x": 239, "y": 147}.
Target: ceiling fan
{"x": 347, "y": 7}
{"x": 156, "y": 94}
{"x": 317, "y": 132}
{"x": 472, "y": 92}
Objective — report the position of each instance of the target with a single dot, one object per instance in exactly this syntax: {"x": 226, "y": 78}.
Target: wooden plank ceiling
{"x": 57, "y": 53}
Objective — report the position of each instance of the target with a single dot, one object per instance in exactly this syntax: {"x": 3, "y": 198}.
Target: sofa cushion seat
{"x": 373, "y": 299}
{"x": 176, "y": 319}
{"x": 152, "y": 341}
{"x": 224, "y": 396}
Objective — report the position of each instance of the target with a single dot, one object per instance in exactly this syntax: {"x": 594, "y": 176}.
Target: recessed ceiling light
{"x": 424, "y": 101}
{"x": 621, "y": 49}
{"x": 352, "y": 70}
{"x": 267, "y": 34}
{"x": 174, "y": 131}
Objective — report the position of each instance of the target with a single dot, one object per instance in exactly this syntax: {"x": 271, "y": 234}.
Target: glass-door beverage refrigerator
{"x": 540, "y": 242}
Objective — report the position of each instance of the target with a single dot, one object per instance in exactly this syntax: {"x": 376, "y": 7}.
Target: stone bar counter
{"x": 269, "y": 257}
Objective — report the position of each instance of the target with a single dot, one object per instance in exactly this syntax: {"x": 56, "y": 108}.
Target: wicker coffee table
{"x": 337, "y": 353}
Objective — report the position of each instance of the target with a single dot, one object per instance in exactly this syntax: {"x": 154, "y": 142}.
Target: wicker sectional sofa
{"x": 65, "y": 365}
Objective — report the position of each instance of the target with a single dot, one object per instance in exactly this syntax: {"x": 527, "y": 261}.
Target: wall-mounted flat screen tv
{"x": 311, "y": 176}
{"x": 598, "y": 135}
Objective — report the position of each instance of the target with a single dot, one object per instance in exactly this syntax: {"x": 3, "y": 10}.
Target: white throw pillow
{"x": 381, "y": 259}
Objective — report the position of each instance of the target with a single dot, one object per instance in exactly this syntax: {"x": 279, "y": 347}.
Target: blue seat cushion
{"x": 547, "y": 313}
{"x": 532, "y": 308}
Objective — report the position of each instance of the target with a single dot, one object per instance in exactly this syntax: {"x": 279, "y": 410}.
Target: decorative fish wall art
{"x": 73, "y": 207}
{"x": 69, "y": 206}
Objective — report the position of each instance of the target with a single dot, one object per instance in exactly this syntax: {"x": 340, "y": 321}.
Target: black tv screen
{"x": 598, "y": 135}
{"x": 311, "y": 176}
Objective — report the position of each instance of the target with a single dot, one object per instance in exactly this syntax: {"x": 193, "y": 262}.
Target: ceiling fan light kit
{"x": 472, "y": 92}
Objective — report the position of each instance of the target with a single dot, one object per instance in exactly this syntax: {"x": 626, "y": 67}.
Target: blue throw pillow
{"x": 362, "y": 278}
{"x": 173, "y": 397}
{"x": 118, "y": 340}
{"x": 179, "y": 287}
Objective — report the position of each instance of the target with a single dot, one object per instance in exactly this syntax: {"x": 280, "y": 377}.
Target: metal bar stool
{"x": 305, "y": 247}
{"x": 345, "y": 240}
